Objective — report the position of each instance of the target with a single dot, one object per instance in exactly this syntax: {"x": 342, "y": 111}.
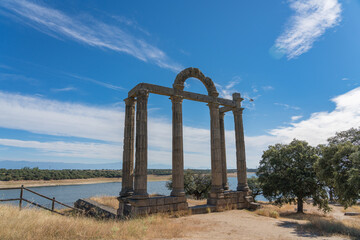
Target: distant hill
{"x": 62, "y": 165}
{"x": 57, "y": 165}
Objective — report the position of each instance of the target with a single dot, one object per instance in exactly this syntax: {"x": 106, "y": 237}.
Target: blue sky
{"x": 66, "y": 66}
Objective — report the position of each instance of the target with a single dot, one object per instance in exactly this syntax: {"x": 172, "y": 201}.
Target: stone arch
{"x": 195, "y": 73}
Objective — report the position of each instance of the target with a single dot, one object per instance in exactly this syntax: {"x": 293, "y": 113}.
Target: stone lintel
{"x": 156, "y": 89}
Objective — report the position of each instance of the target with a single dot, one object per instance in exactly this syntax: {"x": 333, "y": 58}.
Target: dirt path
{"x": 242, "y": 224}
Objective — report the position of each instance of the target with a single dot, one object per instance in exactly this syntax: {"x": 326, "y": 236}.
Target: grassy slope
{"x": 38, "y": 224}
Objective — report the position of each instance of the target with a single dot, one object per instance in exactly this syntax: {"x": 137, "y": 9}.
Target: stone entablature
{"x": 134, "y": 185}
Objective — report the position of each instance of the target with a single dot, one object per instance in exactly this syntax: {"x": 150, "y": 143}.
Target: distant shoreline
{"x": 63, "y": 182}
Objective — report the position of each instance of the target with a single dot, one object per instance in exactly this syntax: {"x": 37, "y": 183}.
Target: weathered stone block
{"x": 242, "y": 205}
{"x": 142, "y": 210}
{"x": 153, "y": 209}
{"x": 169, "y": 200}
{"x": 152, "y": 201}
{"x": 140, "y": 202}
{"x": 160, "y": 201}
{"x": 166, "y": 208}
{"x": 160, "y": 208}
{"x": 182, "y": 206}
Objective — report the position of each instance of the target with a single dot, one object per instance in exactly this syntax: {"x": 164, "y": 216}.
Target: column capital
{"x": 130, "y": 101}
{"x": 142, "y": 94}
{"x": 238, "y": 110}
{"x": 213, "y": 105}
{"x": 176, "y": 99}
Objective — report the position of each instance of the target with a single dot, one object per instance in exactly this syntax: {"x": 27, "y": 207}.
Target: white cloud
{"x": 87, "y": 30}
{"x": 69, "y": 149}
{"x": 295, "y": 118}
{"x": 50, "y": 117}
{"x": 312, "y": 18}
{"x": 345, "y": 79}
{"x": 42, "y": 116}
{"x": 322, "y": 125}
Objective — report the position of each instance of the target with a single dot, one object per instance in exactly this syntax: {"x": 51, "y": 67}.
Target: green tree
{"x": 352, "y": 135}
{"x": 287, "y": 175}
{"x": 341, "y": 164}
{"x": 195, "y": 184}
{"x": 255, "y": 186}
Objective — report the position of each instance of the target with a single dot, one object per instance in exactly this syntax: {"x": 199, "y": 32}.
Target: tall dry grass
{"x": 109, "y": 201}
{"x": 314, "y": 220}
{"x": 39, "y": 224}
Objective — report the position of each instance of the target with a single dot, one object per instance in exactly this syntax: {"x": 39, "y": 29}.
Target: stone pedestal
{"x": 162, "y": 204}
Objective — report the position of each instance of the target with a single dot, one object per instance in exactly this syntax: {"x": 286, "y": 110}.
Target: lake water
{"x": 70, "y": 193}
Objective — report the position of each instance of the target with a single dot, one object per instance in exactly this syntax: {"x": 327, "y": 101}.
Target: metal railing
{"x": 21, "y": 199}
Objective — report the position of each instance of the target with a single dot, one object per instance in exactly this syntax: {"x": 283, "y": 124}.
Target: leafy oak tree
{"x": 195, "y": 184}
{"x": 287, "y": 175}
{"x": 339, "y": 166}
{"x": 254, "y": 186}
{"x": 342, "y": 161}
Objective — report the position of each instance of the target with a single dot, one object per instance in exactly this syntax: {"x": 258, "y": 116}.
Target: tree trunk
{"x": 300, "y": 205}
{"x": 331, "y": 193}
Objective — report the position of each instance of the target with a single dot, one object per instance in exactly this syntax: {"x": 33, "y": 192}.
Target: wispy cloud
{"x": 287, "y": 106}
{"x": 310, "y": 21}
{"x": 131, "y": 23}
{"x": 345, "y": 79}
{"x": 100, "y": 83}
{"x": 268, "y": 88}
{"x": 227, "y": 90}
{"x": 66, "y": 89}
{"x": 3, "y": 66}
{"x": 87, "y": 30}
{"x": 17, "y": 77}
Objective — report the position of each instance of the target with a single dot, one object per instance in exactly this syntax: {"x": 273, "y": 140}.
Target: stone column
{"x": 240, "y": 145}
{"x": 128, "y": 152}
{"x": 223, "y": 152}
{"x": 140, "y": 186}
{"x": 177, "y": 147}
{"x": 216, "y": 165}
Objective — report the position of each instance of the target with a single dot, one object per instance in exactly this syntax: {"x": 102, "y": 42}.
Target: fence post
{"x": 21, "y": 196}
{"x": 53, "y": 204}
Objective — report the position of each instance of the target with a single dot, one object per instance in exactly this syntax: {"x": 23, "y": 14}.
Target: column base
{"x": 126, "y": 192}
{"x": 243, "y": 188}
{"x": 177, "y": 193}
{"x": 140, "y": 194}
{"x": 226, "y": 186}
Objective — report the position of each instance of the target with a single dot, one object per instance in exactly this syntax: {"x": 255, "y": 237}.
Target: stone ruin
{"x": 134, "y": 199}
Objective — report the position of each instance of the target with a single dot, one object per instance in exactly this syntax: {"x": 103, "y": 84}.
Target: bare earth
{"x": 242, "y": 224}
{"x": 37, "y": 183}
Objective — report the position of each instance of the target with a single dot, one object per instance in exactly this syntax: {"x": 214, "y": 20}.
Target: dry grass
{"x": 354, "y": 208}
{"x": 330, "y": 226}
{"x": 314, "y": 220}
{"x": 109, "y": 201}
{"x": 38, "y": 224}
